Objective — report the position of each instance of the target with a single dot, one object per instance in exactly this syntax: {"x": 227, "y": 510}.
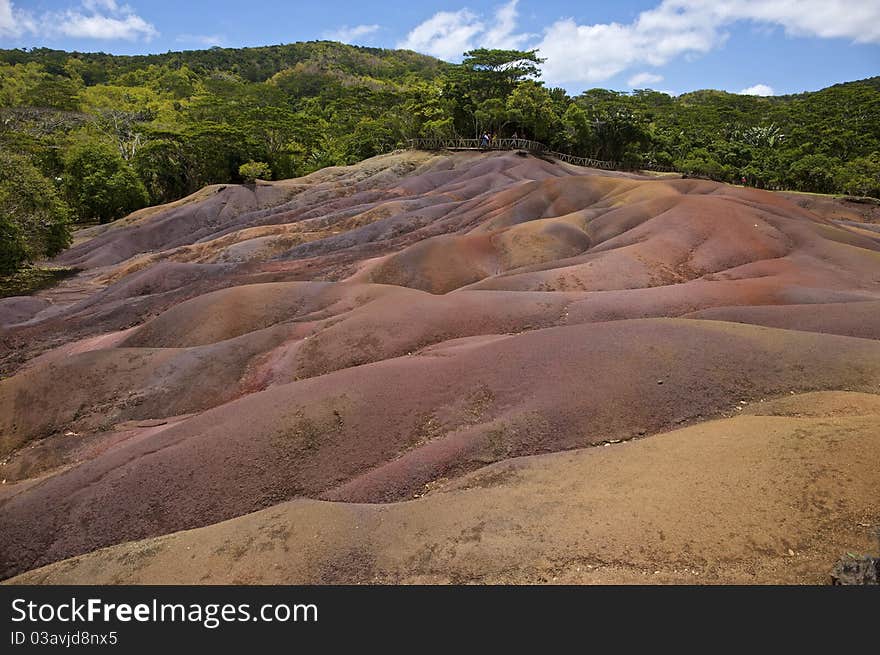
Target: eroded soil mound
{"x": 758, "y": 498}
{"x": 365, "y": 334}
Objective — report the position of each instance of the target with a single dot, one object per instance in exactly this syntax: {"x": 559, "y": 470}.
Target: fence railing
{"x": 476, "y": 144}
{"x": 534, "y": 147}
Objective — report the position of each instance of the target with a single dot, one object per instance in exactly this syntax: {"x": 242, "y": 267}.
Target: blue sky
{"x": 757, "y": 46}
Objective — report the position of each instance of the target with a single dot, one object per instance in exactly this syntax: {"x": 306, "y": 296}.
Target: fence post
{"x": 534, "y": 147}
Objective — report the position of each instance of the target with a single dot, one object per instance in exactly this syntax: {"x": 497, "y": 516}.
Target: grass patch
{"x": 31, "y": 279}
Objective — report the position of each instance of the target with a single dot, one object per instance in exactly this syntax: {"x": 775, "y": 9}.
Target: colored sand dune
{"x": 448, "y": 368}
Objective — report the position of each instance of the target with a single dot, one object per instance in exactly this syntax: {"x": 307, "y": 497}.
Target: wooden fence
{"x": 533, "y": 147}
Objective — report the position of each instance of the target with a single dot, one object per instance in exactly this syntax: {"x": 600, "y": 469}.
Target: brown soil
{"x": 398, "y": 329}
{"x": 763, "y": 497}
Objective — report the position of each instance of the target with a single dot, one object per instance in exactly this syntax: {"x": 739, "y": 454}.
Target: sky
{"x": 763, "y": 47}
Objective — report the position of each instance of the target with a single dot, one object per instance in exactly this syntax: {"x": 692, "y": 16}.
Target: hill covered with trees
{"x": 91, "y": 137}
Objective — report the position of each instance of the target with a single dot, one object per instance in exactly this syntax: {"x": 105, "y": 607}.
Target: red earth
{"x": 390, "y": 330}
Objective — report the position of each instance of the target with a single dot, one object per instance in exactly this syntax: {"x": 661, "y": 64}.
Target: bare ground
{"x": 773, "y": 495}
{"x": 409, "y": 369}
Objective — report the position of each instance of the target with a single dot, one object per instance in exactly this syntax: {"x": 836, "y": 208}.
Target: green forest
{"x": 88, "y": 138}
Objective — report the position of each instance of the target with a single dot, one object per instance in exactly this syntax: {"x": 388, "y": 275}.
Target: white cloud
{"x": 640, "y": 80}
{"x": 14, "y": 21}
{"x": 757, "y": 90}
{"x": 95, "y": 5}
{"x": 129, "y": 27}
{"x": 7, "y": 20}
{"x": 347, "y": 34}
{"x": 91, "y": 19}
{"x": 855, "y": 20}
{"x": 587, "y": 53}
{"x": 449, "y": 34}
{"x": 202, "y": 39}
{"x": 502, "y": 34}
{"x": 591, "y": 53}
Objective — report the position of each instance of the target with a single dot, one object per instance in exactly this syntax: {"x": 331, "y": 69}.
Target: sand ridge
{"x": 758, "y": 498}
{"x": 367, "y": 333}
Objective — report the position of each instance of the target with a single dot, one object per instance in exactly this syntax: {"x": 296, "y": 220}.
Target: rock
{"x": 856, "y": 571}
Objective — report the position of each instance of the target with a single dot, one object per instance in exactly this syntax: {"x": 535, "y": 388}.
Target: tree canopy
{"x": 34, "y": 221}
{"x": 107, "y": 134}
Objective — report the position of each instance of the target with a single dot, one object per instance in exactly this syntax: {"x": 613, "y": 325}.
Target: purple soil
{"x": 365, "y": 331}
{"x": 18, "y": 309}
{"x": 852, "y": 319}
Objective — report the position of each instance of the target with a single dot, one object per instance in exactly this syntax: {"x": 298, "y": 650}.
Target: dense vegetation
{"x": 91, "y": 137}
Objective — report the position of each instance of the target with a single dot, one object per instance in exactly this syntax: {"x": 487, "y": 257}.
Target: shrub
{"x": 99, "y": 183}
{"x": 34, "y": 221}
{"x": 254, "y": 170}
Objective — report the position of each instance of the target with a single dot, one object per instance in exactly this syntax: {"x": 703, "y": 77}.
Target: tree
{"x": 161, "y": 166}
{"x": 530, "y": 107}
{"x": 254, "y": 170}
{"x": 618, "y": 131}
{"x": 701, "y": 162}
{"x": 99, "y": 184}
{"x": 273, "y": 130}
{"x": 576, "y": 125}
{"x": 54, "y": 92}
{"x": 34, "y": 221}
{"x": 487, "y": 75}
{"x": 861, "y": 176}
{"x": 120, "y": 113}
{"x": 13, "y": 249}
{"x": 185, "y": 119}
{"x": 214, "y": 152}
{"x": 813, "y": 173}
{"x": 425, "y": 112}
{"x": 495, "y": 73}
{"x": 305, "y": 80}
{"x": 370, "y": 137}
{"x": 491, "y": 116}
